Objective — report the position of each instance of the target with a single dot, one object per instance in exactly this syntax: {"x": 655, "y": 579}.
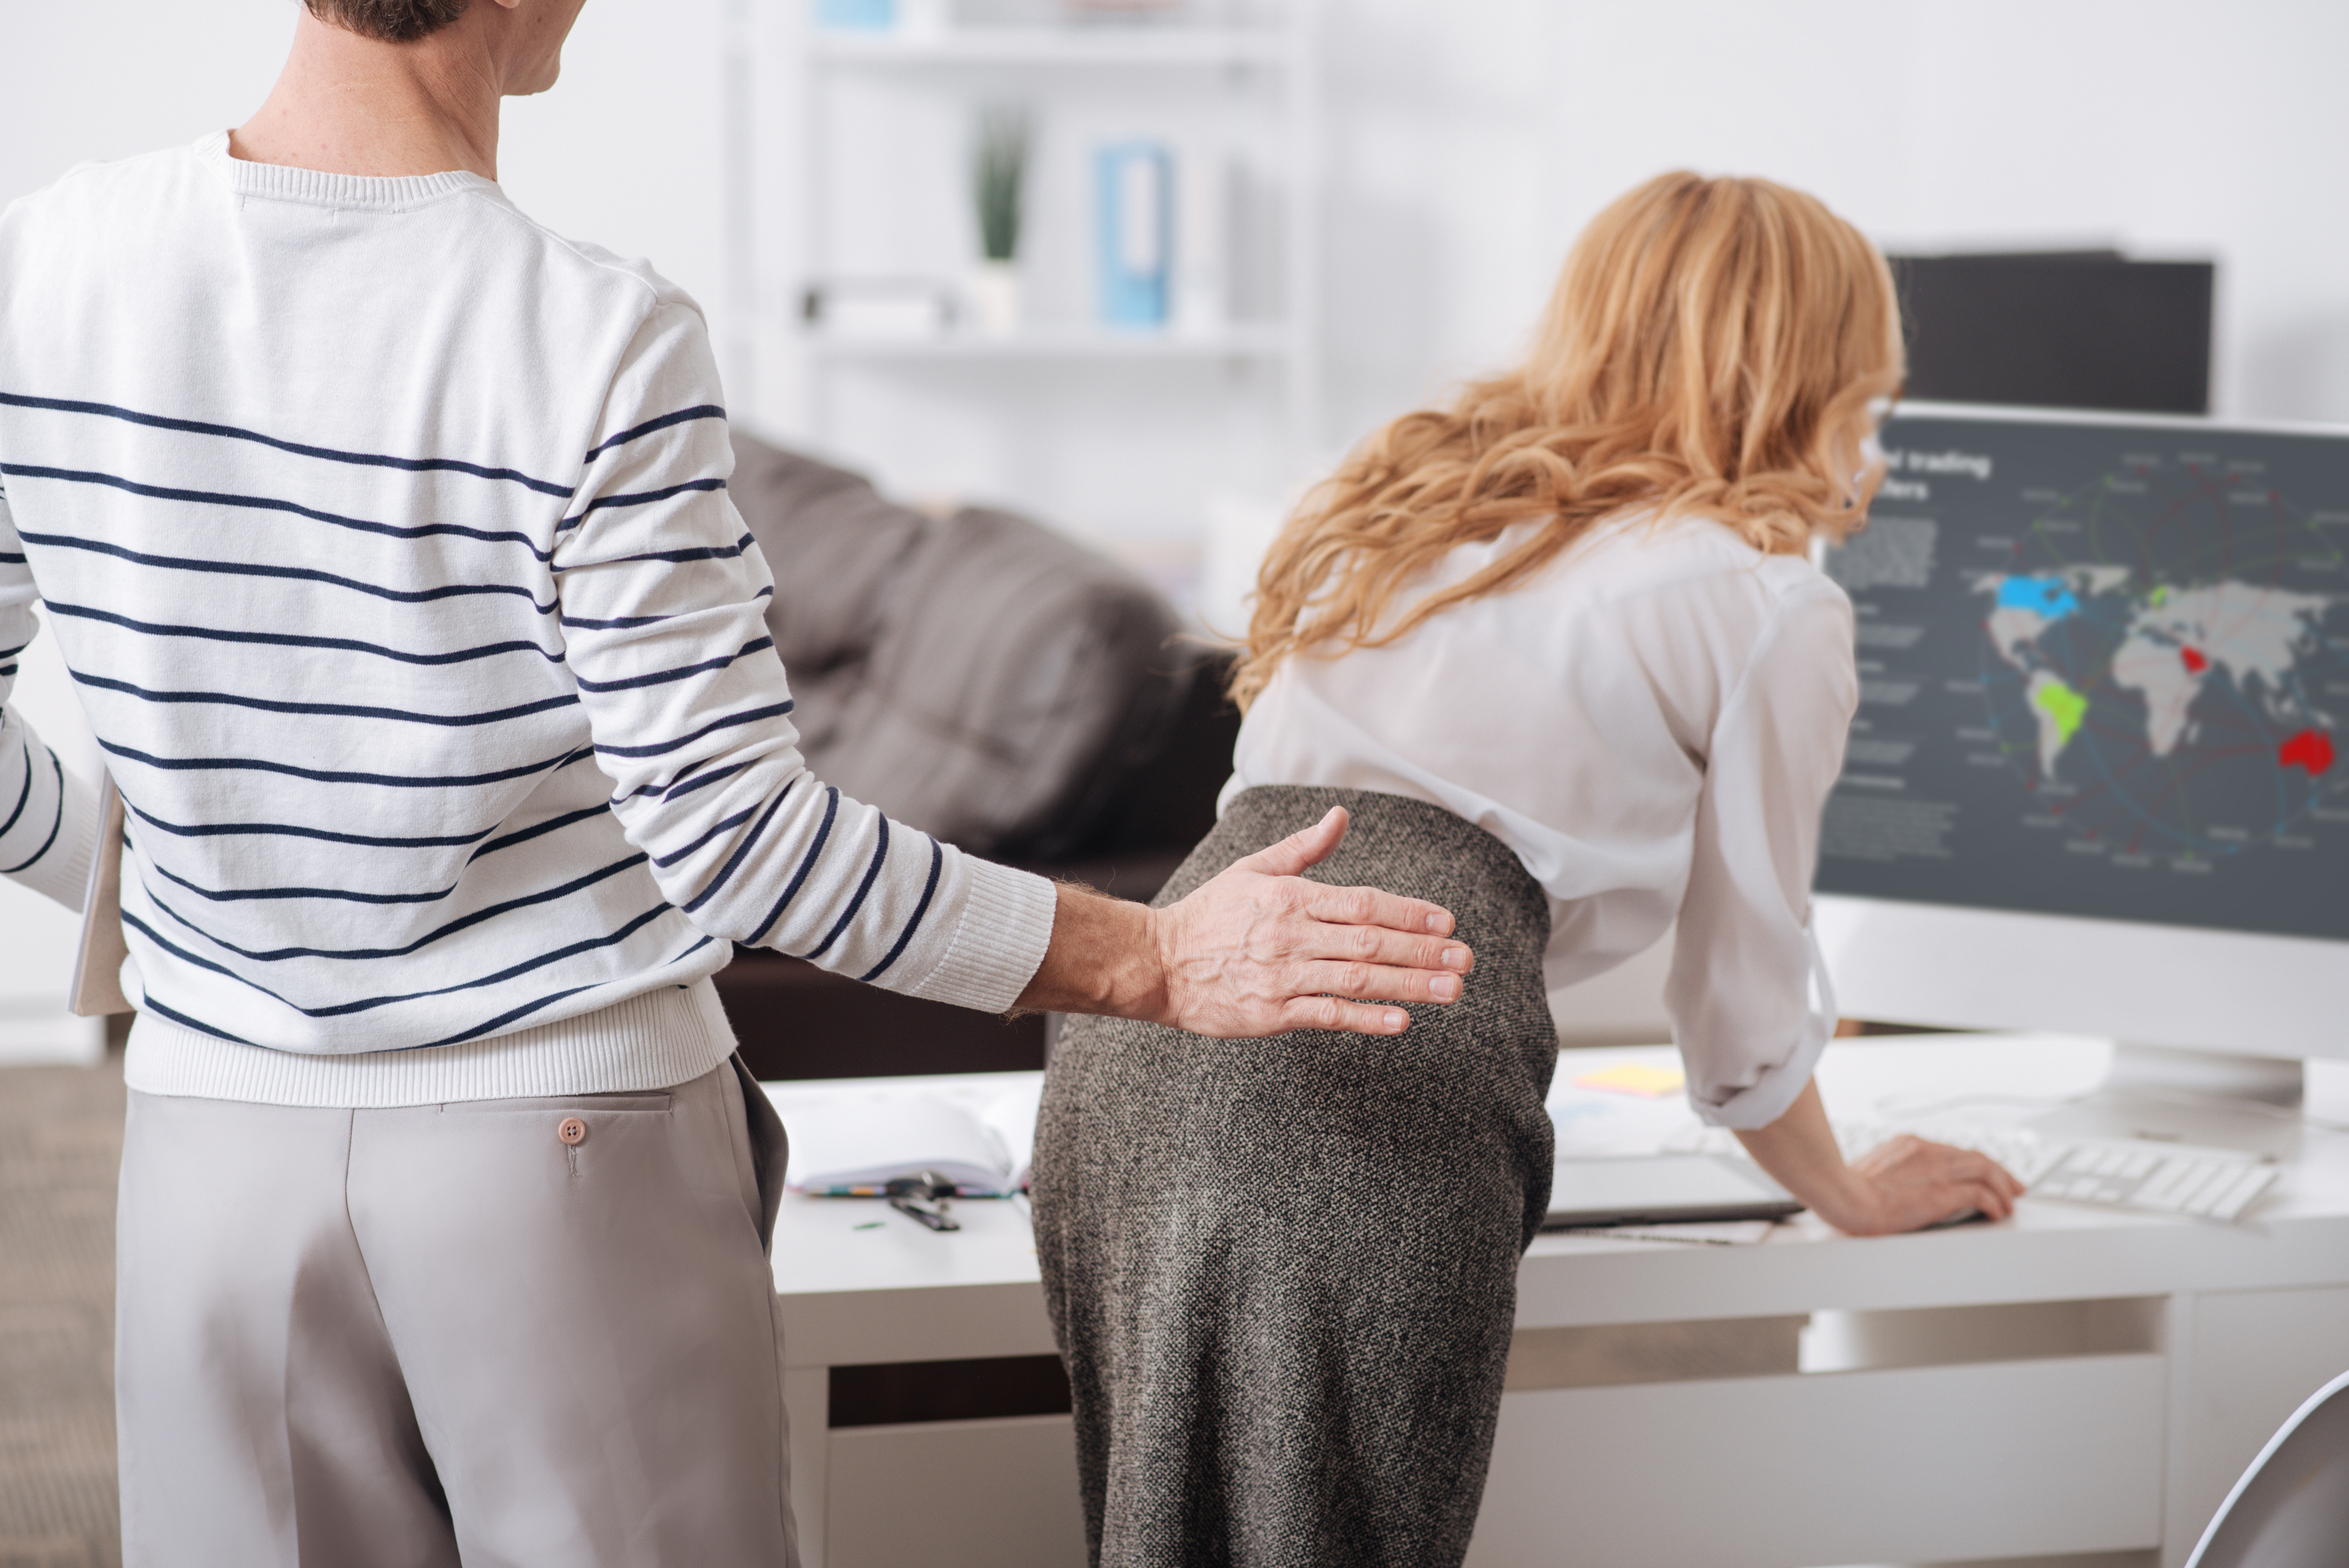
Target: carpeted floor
{"x": 60, "y": 1146}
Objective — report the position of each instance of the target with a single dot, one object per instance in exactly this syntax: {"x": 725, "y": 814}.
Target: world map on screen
{"x": 2144, "y": 697}
{"x": 2104, "y": 671}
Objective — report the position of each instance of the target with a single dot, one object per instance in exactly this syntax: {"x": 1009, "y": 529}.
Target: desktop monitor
{"x": 2098, "y": 782}
{"x": 2061, "y": 329}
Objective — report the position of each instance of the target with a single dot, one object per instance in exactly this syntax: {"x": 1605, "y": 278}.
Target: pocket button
{"x": 572, "y": 1130}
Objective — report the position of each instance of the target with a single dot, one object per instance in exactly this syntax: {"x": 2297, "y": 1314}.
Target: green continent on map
{"x": 2060, "y": 711}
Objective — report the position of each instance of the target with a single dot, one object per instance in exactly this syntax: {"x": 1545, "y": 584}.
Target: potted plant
{"x": 998, "y": 170}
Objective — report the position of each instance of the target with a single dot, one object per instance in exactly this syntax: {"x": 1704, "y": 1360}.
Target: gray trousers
{"x": 413, "y": 1338}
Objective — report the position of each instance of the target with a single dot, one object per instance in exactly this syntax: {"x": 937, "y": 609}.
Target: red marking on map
{"x": 2194, "y": 661}
{"x": 2310, "y": 749}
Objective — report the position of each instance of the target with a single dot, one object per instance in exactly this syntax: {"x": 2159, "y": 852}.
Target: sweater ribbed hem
{"x": 656, "y": 1040}
{"x": 277, "y": 182}
{"x": 1007, "y": 924}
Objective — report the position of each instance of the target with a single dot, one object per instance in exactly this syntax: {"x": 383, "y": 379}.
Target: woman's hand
{"x": 1904, "y": 1184}
{"x": 1911, "y": 1183}
{"x": 1257, "y": 951}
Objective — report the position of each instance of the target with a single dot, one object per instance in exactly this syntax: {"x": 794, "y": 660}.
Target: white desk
{"x": 2074, "y": 1381}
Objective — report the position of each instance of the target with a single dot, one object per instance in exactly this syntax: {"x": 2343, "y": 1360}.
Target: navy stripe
{"x": 53, "y": 827}
{"x": 24, "y": 794}
{"x": 7, "y": 669}
{"x": 332, "y": 455}
{"x": 176, "y": 951}
{"x": 638, "y": 498}
{"x": 526, "y": 834}
{"x": 328, "y": 709}
{"x": 294, "y": 574}
{"x": 616, "y": 624}
{"x": 288, "y": 640}
{"x": 699, "y": 411}
{"x": 938, "y": 860}
{"x": 662, "y": 677}
{"x": 368, "y": 1004}
{"x": 730, "y": 721}
{"x": 822, "y": 833}
{"x": 241, "y": 895}
{"x": 880, "y": 853}
{"x": 462, "y": 923}
{"x": 321, "y": 776}
{"x": 679, "y": 786}
{"x": 706, "y": 552}
{"x": 674, "y": 780}
{"x": 271, "y": 503}
{"x": 527, "y": 1008}
{"x": 185, "y": 1022}
{"x": 736, "y": 821}
{"x": 502, "y": 1019}
{"x": 10, "y": 558}
{"x": 283, "y": 829}
{"x": 12, "y": 653}
{"x": 741, "y": 851}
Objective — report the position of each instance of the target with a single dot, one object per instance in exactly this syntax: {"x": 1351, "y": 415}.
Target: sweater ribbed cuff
{"x": 656, "y": 1040}
{"x": 1000, "y": 941}
{"x": 63, "y": 872}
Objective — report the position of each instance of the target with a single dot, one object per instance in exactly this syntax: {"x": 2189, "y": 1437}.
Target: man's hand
{"x": 1257, "y": 951}
{"x": 1902, "y": 1185}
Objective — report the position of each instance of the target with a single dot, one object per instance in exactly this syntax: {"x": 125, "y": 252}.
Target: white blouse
{"x": 1652, "y": 724}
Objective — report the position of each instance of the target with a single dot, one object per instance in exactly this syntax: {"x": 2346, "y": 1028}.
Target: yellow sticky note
{"x": 1632, "y": 1077}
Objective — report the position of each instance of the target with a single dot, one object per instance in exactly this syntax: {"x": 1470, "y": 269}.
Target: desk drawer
{"x": 1919, "y": 1464}
{"x": 974, "y": 1494}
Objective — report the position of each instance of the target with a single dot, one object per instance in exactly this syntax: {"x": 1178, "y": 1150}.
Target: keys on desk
{"x": 2203, "y": 1184}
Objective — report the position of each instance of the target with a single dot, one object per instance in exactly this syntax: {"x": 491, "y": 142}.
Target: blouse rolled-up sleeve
{"x": 1749, "y": 996}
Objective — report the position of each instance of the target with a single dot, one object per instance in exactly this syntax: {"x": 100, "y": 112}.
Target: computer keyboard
{"x": 2208, "y": 1184}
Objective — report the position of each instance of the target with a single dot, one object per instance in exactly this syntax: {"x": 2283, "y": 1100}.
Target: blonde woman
{"x": 1558, "y": 649}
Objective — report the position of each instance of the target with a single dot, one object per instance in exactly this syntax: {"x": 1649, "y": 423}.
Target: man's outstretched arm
{"x": 1257, "y": 951}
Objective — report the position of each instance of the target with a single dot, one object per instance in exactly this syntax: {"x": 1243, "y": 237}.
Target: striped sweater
{"x": 387, "y": 538}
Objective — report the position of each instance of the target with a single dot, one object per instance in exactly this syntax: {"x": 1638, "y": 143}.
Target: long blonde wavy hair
{"x": 1713, "y": 346}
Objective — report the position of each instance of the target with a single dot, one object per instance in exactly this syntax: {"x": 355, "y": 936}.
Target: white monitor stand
{"x": 2209, "y": 1027}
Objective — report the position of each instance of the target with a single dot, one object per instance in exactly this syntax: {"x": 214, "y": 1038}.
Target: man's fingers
{"x": 1314, "y": 943}
{"x": 1294, "y": 853}
{"x": 1369, "y": 906}
{"x": 1345, "y": 1017}
{"x": 1373, "y": 982}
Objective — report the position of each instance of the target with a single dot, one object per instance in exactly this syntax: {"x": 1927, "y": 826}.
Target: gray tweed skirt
{"x": 1283, "y": 1271}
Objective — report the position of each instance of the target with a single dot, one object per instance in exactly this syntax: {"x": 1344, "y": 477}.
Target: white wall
{"x": 1473, "y": 137}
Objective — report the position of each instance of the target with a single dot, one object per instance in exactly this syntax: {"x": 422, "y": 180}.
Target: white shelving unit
{"x": 852, "y": 150}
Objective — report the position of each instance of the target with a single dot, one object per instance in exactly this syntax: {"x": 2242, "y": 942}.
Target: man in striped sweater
{"x": 386, "y": 537}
